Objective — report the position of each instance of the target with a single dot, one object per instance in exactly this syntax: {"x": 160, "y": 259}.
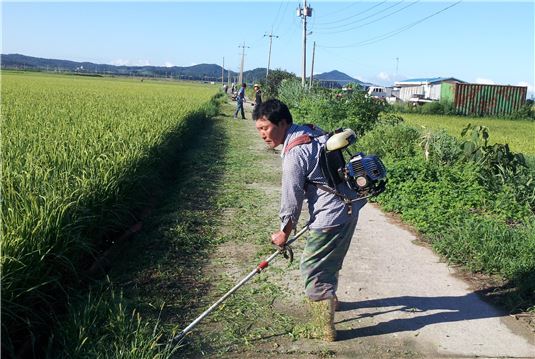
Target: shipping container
{"x": 483, "y": 100}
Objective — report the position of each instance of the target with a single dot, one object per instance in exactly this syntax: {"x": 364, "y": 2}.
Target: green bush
{"x": 429, "y": 196}
{"x": 329, "y": 109}
{"x": 390, "y": 118}
{"x": 526, "y": 112}
{"x": 397, "y": 141}
{"x": 499, "y": 167}
{"x": 291, "y": 92}
{"x": 443, "y": 148}
{"x": 273, "y": 82}
{"x": 432, "y": 108}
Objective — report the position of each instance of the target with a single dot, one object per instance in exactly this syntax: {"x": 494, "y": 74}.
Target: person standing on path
{"x": 332, "y": 221}
{"x": 257, "y": 95}
{"x": 240, "y": 99}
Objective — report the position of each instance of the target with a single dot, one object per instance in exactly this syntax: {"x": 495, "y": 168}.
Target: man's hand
{"x": 279, "y": 238}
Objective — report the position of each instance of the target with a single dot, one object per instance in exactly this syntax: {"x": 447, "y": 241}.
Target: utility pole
{"x": 240, "y": 81}
{"x": 304, "y": 12}
{"x": 312, "y": 67}
{"x": 223, "y": 72}
{"x": 228, "y": 78}
{"x": 271, "y": 36}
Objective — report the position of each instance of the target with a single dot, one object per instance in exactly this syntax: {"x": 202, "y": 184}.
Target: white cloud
{"x": 122, "y": 62}
{"x": 168, "y": 64}
{"x": 142, "y": 63}
{"x": 483, "y": 81}
{"x": 360, "y": 78}
{"x": 119, "y": 62}
{"x": 383, "y": 76}
{"x": 193, "y": 64}
{"x": 531, "y": 89}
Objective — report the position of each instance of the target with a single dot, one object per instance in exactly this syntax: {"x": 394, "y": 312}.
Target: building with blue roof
{"x": 425, "y": 88}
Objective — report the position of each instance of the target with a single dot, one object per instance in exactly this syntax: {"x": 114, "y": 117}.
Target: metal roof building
{"x": 429, "y": 87}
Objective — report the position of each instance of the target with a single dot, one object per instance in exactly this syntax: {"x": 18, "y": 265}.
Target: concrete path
{"x": 400, "y": 293}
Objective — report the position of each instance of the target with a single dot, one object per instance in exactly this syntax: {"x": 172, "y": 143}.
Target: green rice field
{"x": 519, "y": 134}
{"x": 79, "y": 155}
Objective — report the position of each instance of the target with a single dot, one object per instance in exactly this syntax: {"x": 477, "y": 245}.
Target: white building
{"x": 428, "y": 88}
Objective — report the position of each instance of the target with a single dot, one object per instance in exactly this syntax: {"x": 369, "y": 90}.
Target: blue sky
{"x": 374, "y": 41}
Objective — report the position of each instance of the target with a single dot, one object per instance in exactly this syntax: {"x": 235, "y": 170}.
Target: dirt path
{"x": 400, "y": 300}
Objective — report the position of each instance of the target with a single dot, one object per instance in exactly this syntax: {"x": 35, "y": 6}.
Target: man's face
{"x": 272, "y": 134}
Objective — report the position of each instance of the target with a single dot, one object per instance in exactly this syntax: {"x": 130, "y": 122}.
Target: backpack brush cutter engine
{"x": 365, "y": 174}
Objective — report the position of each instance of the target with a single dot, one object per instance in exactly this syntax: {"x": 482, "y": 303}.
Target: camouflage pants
{"x": 322, "y": 259}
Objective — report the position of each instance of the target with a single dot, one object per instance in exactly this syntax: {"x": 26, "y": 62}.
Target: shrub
{"x": 273, "y": 81}
{"x": 526, "y": 112}
{"x": 443, "y": 148}
{"x": 430, "y": 196}
{"x": 432, "y": 108}
{"x": 391, "y": 141}
{"x": 389, "y": 118}
{"x": 330, "y": 110}
{"x": 499, "y": 167}
{"x": 291, "y": 92}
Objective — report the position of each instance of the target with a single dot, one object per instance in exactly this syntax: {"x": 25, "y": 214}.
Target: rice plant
{"x": 78, "y": 158}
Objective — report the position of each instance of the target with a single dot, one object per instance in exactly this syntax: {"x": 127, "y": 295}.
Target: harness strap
{"x": 299, "y": 140}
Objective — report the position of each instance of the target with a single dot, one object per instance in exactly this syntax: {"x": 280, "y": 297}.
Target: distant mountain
{"x": 255, "y": 75}
{"x": 337, "y": 79}
{"x": 206, "y": 72}
{"x": 203, "y": 72}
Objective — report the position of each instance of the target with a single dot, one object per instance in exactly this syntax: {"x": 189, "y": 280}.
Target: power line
{"x": 276, "y": 16}
{"x": 364, "y": 18}
{"x": 373, "y": 21}
{"x": 351, "y": 16}
{"x": 391, "y": 33}
{"x": 291, "y": 25}
{"x": 277, "y": 23}
{"x": 342, "y": 9}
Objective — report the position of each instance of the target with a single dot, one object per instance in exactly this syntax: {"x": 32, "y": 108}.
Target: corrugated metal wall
{"x": 434, "y": 91}
{"x": 431, "y": 91}
{"x": 447, "y": 92}
{"x": 405, "y": 93}
{"x": 488, "y": 100}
